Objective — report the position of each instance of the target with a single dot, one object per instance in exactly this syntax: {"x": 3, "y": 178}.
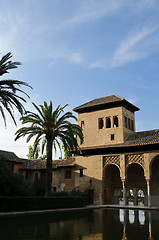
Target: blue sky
{"x": 75, "y": 51}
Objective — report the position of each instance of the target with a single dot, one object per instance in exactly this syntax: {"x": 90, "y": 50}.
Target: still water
{"x": 96, "y": 224}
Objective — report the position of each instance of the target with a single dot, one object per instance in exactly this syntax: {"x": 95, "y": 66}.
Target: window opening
{"x": 36, "y": 176}
{"x": 108, "y": 122}
{"x": 82, "y": 124}
{"x": 100, "y": 123}
{"x": 81, "y": 172}
{"x": 115, "y": 122}
{"x": 68, "y": 174}
{"x": 112, "y": 137}
{"x": 129, "y": 124}
{"x": 26, "y": 175}
{"x": 126, "y": 122}
{"x": 54, "y": 189}
{"x": 12, "y": 168}
{"x": 132, "y": 125}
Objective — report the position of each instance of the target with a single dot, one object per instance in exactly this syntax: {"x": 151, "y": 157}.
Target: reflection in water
{"x": 91, "y": 237}
{"x": 121, "y": 215}
{"x": 131, "y": 216}
{"x": 150, "y": 227}
{"x": 141, "y": 217}
{"x": 100, "y": 224}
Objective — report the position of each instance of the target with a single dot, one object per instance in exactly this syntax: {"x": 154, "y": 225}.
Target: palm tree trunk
{"x": 48, "y": 168}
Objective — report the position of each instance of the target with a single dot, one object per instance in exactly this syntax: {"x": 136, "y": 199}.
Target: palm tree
{"x": 9, "y": 88}
{"x": 52, "y": 129}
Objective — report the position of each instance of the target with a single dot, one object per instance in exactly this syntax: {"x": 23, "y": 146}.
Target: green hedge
{"x": 9, "y": 204}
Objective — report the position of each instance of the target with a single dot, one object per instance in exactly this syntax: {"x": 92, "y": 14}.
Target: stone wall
{"x": 96, "y": 136}
{"x": 92, "y": 175}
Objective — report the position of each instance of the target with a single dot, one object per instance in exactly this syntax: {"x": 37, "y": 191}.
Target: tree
{"x": 9, "y": 99}
{"x": 67, "y": 153}
{"x": 31, "y": 154}
{"x": 36, "y": 154}
{"x": 51, "y": 128}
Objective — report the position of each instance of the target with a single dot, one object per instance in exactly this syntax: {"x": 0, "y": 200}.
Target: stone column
{"x": 124, "y": 192}
{"x": 122, "y": 176}
{"x": 148, "y": 192}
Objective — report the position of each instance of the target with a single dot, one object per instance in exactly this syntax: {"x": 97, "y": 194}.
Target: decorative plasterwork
{"x": 134, "y": 158}
{"x": 113, "y": 159}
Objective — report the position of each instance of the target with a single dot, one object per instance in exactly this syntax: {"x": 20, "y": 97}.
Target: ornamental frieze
{"x": 113, "y": 159}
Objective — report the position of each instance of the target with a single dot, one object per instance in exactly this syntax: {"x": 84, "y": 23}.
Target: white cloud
{"x": 25, "y": 36}
{"x": 29, "y": 39}
{"x": 126, "y": 52}
{"x": 135, "y": 46}
{"x": 74, "y": 56}
{"x": 93, "y": 10}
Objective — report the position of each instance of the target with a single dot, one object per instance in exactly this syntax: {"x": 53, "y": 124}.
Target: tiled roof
{"x": 41, "y": 164}
{"x": 105, "y": 101}
{"x": 134, "y": 139}
{"x": 11, "y": 156}
{"x": 142, "y": 138}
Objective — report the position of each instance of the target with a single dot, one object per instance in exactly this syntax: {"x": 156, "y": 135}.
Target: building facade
{"x": 114, "y": 157}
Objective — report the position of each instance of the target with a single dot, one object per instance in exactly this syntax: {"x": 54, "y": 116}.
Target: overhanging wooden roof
{"x": 105, "y": 102}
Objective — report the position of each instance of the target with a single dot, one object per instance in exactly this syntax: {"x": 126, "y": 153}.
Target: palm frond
{"x": 10, "y": 89}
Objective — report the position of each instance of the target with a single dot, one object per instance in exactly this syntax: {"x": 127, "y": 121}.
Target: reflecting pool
{"x": 97, "y": 224}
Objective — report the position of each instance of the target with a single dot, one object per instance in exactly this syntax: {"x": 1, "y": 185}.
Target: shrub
{"x": 40, "y": 203}
{"x": 38, "y": 187}
{"x": 11, "y": 184}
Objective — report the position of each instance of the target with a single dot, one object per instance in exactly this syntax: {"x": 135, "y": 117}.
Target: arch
{"x": 100, "y": 123}
{"x": 109, "y": 164}
{"x": 108, "y": 122}
{"x": 111, "y": 184}
{"x": 135, "y": 180}
{"x": 154, "y": 180}
{"x": 154, "y": 159}
{"x": 115, "y": 122}
{"x": 130, "y": 196}
{"x": 129, "y": 165}
{"x": 141, "y": 197}
{"x": 121, "y": 199}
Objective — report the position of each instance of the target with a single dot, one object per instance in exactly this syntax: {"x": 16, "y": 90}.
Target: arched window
{"x": 115, "y": 122}
{"x": 108, "y": 122}
{"x": 100, "y": 123}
